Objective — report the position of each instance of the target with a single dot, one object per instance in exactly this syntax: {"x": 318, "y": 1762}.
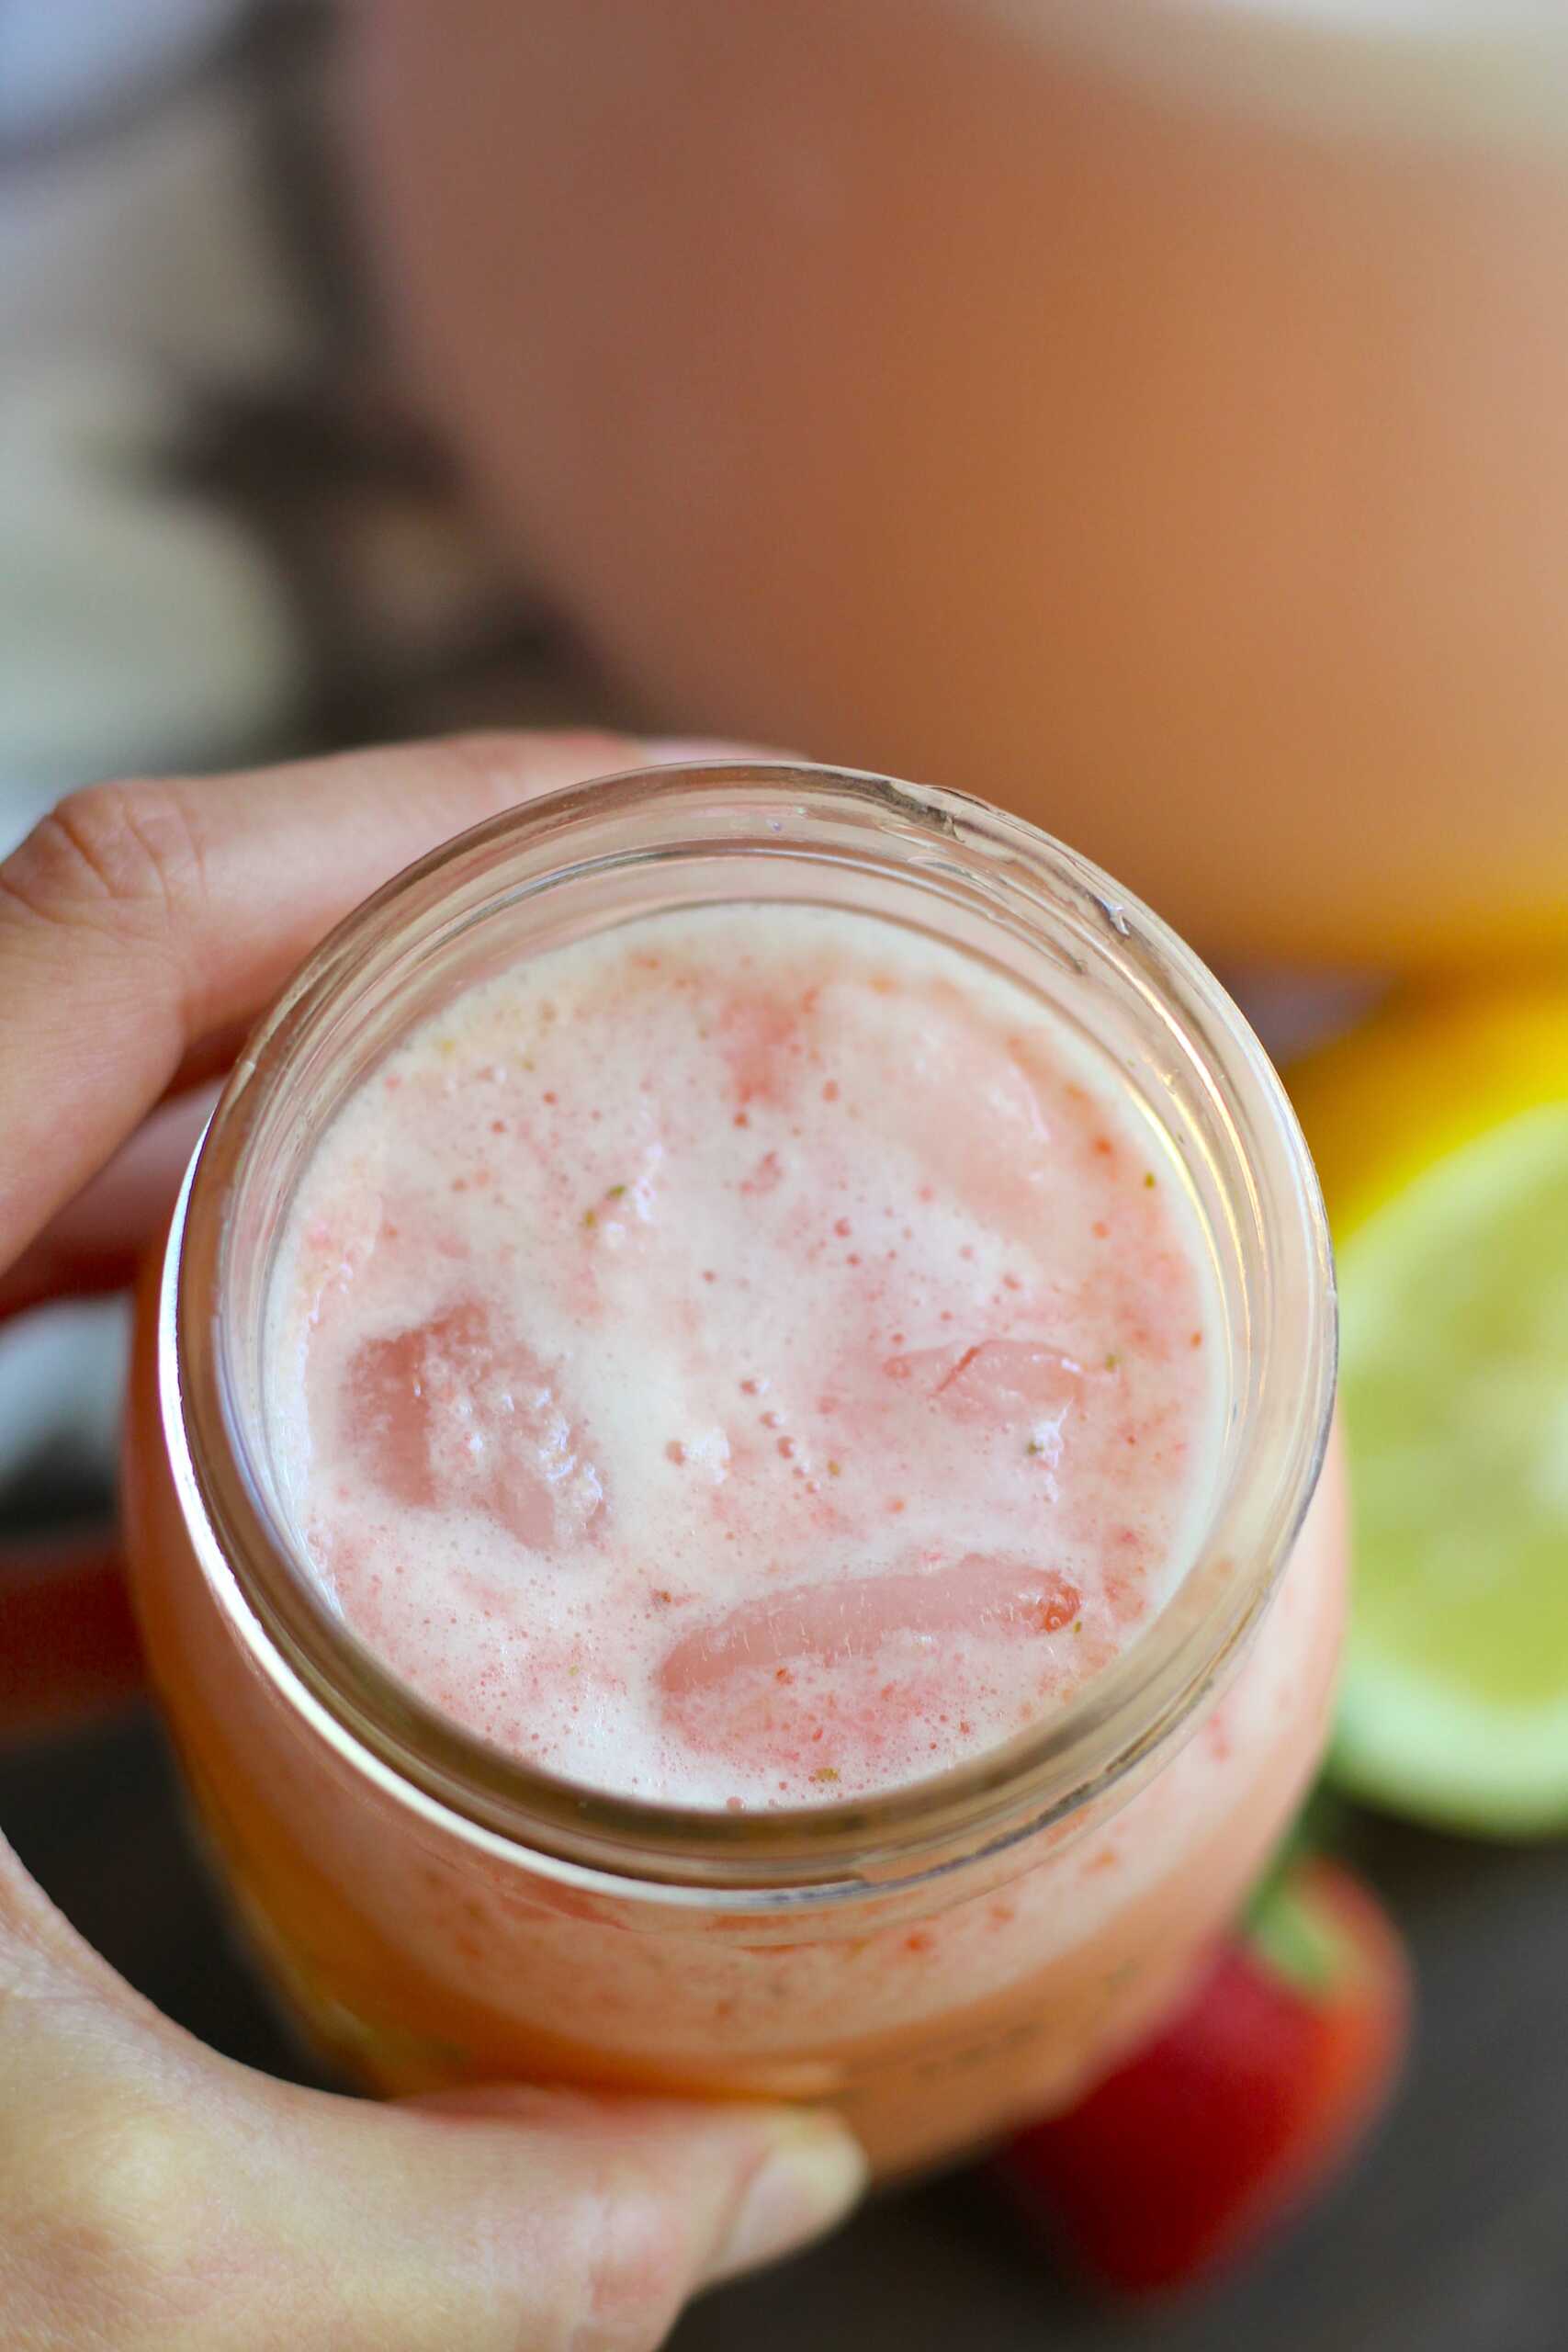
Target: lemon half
{"x": 1440, "y": 1132}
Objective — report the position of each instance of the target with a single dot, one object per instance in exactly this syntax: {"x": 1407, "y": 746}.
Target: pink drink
{"x": 751, "y": 1359}
{"x": 717, "y": 1479}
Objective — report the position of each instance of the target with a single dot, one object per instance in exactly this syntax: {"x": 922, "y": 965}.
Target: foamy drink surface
{"x": 759, "y": 1356}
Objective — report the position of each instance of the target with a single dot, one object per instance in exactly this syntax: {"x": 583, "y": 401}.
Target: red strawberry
{"x": 1244, "y": 2103}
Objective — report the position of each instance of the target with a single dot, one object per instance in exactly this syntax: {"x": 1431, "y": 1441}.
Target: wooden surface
{"x": 1452, "y": 2236}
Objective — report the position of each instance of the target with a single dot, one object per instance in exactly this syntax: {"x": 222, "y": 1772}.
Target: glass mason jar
{"x": 934, "y": 1960}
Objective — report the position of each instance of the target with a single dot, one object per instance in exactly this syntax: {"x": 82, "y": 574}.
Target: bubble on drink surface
{"x": 455, "y": 1414}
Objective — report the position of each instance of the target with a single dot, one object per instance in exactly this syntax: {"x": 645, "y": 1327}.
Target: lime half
{"x": 1452, "y": 1229}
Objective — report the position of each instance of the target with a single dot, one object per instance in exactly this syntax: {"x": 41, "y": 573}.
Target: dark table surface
{"x": 1452, "y": 2236}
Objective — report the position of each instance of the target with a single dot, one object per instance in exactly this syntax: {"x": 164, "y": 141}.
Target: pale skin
{"x": 154, "y": 2196}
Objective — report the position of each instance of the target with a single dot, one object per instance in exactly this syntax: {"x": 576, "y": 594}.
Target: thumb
{"x": 492, "y": 2219}
{"x": 159, "y": 2198}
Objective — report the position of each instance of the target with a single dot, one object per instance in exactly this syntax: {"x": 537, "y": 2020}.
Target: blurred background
{"x": 1152, "y": 415}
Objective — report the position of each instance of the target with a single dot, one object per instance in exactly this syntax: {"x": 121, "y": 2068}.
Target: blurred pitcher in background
{"x": 1151, "y": 413}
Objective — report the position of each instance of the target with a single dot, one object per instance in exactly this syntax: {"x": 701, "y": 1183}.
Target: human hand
{"x": 154, "y": 2196}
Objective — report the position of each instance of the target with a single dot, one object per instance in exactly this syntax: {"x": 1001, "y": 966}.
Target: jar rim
{"x": 1098, "y": 1737}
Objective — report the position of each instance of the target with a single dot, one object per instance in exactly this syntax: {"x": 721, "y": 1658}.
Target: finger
{"x": 139, "y": 919}
{"x": 96, "y": 1243}
{"x": 551, "y": 2219}
{"x": 69, "y": 1653}
{"x": 160, "y": 2200}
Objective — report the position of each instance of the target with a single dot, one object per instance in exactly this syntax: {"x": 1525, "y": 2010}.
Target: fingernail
{"x": 679, "y": 750}
{"x": 813, "y": 2175}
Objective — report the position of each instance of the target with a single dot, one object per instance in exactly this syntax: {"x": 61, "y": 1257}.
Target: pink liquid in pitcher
{"x": 758, "y": 1357}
